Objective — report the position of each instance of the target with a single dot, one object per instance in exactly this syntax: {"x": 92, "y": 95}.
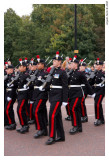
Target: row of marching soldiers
{"x": 32, "y": 85}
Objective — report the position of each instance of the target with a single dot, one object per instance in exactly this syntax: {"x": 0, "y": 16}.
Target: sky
{"x": 19, "y": 9}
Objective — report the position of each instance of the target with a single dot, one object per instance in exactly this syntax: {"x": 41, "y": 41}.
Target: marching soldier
{"x": 22, "y": 98}
{"x": 10, "y": 100}
{"x": 40, "y": 99}
{"x": 84, "y": 117}
{"x": 99, "y": 89}
{"x": 30, "y": 92}
{"x": 68, "y": 68}
{"x": 75, "y": 95}
{"x": 58, "y": 96}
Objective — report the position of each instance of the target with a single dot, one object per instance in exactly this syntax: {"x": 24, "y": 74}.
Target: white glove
{"x": 64, "y": 103}
{"x": 25, "y": 87}
{"x": 31, "y": 102}
{"x": 41, "y": 88}
{"x": 8, "y": 85}
{"x": 93, "y": 95}
{"x": 8, "y": 98}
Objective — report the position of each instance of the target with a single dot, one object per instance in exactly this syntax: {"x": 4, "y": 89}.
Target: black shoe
{"x": 6, "y": 126}
{"x": 75, "y": 130}
{"x": 97, "y": 122}
{"x": 31, "y": 122}
{"x": 68, "y": 118}
{"x": 39, "y": 133}
{"x": 84, "y": 119}
{"x": 50, "y": 141}
{"x": 11, "y": 127}
{"x": 59, "y": 139}
{"x": 23, "y": 130}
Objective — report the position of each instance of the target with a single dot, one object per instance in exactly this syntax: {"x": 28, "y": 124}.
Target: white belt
{"x": 74, "y": 86}
{"x": 36, "y": 87}
{"x": 22, "y": 89}
{"x": 51, "y": 86}
{"x": 9, "y": 89}
{"x": 82, "y": 85}
{"x": 99, "y": 85}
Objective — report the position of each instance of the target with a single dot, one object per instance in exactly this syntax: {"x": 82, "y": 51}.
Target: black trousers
{"x": 98, "y": 107}
{"x": 39, "y": 113}
{"x": 9, "y": 112}
{"x": 21, "y": 111}
{"x": 75, "y": 111}
{"x": 68, "y": 108}
{"x": 55, "y": 120}
{"x": 83, "y": 107}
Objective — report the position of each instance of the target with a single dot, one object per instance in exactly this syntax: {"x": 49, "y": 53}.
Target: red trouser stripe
{"x": 7, "y": 112}
{"x": 52, "y": 119}
{"x": 98, "y": 104}
{"x": 20, "y": 112}
{"x": 68, "y": 107}
{"x": 36, "y": 115}
{"x": 31, "y": 110}
{"x": 82, "y": 107}
{"x": 73, "y": 108}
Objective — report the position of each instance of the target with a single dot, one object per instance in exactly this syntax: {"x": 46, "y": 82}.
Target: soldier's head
{"x": 57, "y": 60}
{"x": 10, "y": 69}
{"x": 22, "y": 67}
{"x": 41, "y": 65}
{"x": 98, "y": 64}
{"x": 82, "y": 66}
{"x": 57, "y": 63}
{"x": 98, "y": 67}
{"x": 9, "y": 62}
{"x": 74, "y": 63}
{"x": 33, "y": 66}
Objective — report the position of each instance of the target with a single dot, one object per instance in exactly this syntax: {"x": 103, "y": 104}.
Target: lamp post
{"x": 75, "y": 46}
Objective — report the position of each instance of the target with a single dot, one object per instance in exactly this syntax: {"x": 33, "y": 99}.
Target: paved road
{"x": 91, "y": 142}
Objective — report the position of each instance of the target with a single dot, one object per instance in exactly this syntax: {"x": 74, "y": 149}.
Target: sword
{"x": 47, "y": 59}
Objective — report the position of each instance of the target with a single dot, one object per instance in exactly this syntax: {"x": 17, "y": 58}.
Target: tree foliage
{"x": 50, "y": 27}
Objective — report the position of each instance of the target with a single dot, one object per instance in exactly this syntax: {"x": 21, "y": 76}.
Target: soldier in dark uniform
{"x": 75, "y": 95}
{"x": 99, "y": 89}
{"x": 30, "y": 92}
{"x": 40, "y": 99}
{"x": 22, "y": 98}
{"x": 84, "y": 117}
{"x": 10, "y": 100}
{"x": 5, "y": 83}
{"x": 58, "y": 96}
{"x": 68, "y": 118}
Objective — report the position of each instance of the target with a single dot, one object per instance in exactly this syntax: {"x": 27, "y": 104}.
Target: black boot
{"x": 11, "y": 127}
{"x": 39, "y": 134}
{"x": 75, "y": 130}
{"x": 84, "y": 119}
{"x": 59, "y": 139}
{"x": 97, "y": 122}
{"x": 50, "y": 141}
{"x": 31, "y": 122}
{"x": 24, "y": 129}
{"x": 68, "y": 118}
